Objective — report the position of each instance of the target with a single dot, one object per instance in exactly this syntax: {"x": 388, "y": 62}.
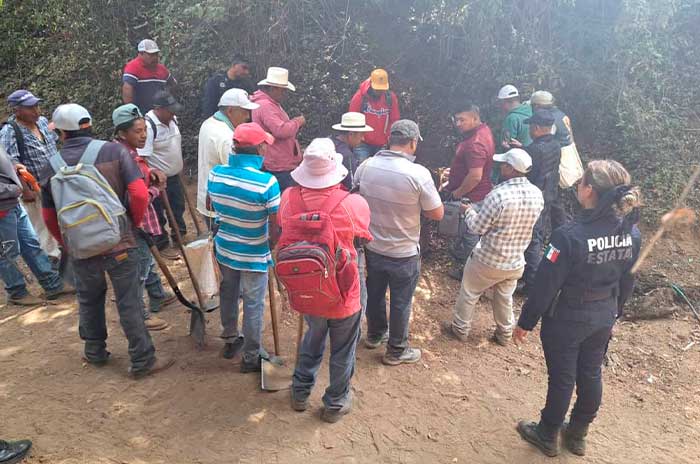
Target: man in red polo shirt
{"x": 144, "y": 76}
{"x": 470, "y": 174}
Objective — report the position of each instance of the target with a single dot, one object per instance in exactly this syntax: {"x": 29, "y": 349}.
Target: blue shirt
{"x": 243, "y": 197}
{"x": 37, "y": 151}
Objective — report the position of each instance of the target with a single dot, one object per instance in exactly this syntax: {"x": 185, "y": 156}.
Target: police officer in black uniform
{"x": 237, "y": 76}
{"x": 579, "y": 291}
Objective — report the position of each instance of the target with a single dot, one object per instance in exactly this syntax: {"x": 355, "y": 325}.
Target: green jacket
{"x": 514, "y": 125}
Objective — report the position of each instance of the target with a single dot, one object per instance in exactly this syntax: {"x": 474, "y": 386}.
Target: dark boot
{"x": 14, "y": 451}
{"x": 544, "y": 437}
{"x": 575, "y": 437}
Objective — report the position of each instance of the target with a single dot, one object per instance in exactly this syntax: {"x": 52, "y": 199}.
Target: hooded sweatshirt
{"x": 514, "y": 126}
{"x": 284, "y": 154}
{"x": 377, "y": 113}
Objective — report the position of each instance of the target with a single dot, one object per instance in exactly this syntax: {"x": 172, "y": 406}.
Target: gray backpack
{"x": 452, "y": 223}
{"x": 90, "y": 214}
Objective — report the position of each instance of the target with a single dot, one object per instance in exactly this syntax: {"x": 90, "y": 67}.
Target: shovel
{"x": 190, "y": 206}
{"x": 274, "y": 377}
{"x": 197, "y": 327}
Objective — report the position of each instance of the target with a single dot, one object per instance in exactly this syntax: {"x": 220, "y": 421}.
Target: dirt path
{"x": 459, "y": 405}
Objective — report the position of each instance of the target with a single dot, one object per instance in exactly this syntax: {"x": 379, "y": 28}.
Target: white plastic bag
{"x": 570, "y": 167}
{"x": 204, "y": 266}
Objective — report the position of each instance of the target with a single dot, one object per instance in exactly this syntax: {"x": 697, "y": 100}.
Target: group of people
{"x": 255, "y": 188}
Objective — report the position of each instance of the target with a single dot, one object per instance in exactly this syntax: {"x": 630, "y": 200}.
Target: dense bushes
{"x": 625, "y": 70}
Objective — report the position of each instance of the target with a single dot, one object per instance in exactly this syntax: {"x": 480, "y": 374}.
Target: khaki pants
{"x": 46, "y": 240}
{"x": 476, "y": 279}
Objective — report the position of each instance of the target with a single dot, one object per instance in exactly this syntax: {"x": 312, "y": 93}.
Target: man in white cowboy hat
{"x": 285, "y": 154}
{"x": 319, "y": 177}
{"x": 349, "y": 134}
{"x": 216, "y": 139}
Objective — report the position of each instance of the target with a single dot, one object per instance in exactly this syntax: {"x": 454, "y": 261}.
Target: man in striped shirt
{"x": 245, "y": 199}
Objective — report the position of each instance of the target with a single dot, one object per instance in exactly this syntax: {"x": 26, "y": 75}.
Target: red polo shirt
{"x": 475, "y": 151}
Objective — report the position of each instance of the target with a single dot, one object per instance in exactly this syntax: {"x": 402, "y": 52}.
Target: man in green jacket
{"x": 515, "y": 132}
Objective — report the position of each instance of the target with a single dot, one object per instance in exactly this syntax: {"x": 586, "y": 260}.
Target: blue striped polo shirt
{"x": 243, "y": 197}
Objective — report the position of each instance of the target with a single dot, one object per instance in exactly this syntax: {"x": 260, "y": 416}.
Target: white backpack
{"x": 90, "y": 214}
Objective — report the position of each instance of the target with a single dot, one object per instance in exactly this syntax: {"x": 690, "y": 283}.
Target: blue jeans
{"x": 463, "y": 246}
{"x": 400, "y": 275}
{"x": 362, "y": 271}
{"x": 344, "y": 334}
{"x": 364, "y": 151}
{"x": 17, "y": 237}
{"x": 149, "y": 280}
{"x": 252, "y": 287}
{"x": 91, "y": 284}
{"x": 176, "y": 196}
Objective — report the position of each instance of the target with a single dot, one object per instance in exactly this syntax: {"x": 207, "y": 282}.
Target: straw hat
{"x": 277, "y": 77}
{"x": 353, "y": 122}
{"x": 321, "y": 166}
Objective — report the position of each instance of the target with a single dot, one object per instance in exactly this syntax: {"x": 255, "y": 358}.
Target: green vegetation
{"x": 624, "y": 70}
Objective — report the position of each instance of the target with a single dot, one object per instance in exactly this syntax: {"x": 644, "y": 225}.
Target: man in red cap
{"x": 245, "y": 199}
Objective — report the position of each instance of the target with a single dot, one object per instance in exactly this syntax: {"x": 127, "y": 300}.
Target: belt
{"x": 576, "y": 295}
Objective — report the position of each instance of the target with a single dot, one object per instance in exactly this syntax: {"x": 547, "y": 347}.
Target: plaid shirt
{"x": 37, "y": 152}
{"x": 505, "y": 221}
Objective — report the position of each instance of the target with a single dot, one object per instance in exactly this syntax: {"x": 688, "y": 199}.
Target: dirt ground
{"x": 459, "y": 405}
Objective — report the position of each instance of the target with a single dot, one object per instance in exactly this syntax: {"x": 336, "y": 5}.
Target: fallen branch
{"x": 668, "y": 219}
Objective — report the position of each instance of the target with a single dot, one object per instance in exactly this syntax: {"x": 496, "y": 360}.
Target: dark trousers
{"x": 400, "y": 275}
{"x": 558, "y": 215}
{"x": 91, "y": 285}
{"x": 176, "y": 195}
{"x": 574, "y": 353}
{"x": 533, "y": 253}
{"x": 344, "y": 334}
{"x": 284, "y": 178}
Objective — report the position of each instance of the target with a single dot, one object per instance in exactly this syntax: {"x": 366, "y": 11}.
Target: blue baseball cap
{"x": 22, "y": 98}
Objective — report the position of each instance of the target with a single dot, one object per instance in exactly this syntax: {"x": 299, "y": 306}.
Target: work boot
{"x": 575, "y": 437}
{"x": 12, "y": 452}
{"x": 155, "y": 305}
{"x": 155, "y": 324}
{"x": 298, "y": 402}
{"x": 372, "y": 343}
{"x": 501, "y": 339}
{"x": 256, "y": 366}
{"x": 543, "y": 437}
{"x": 161, "y": 363}
{"x": 66, "y": 289}
{"x": 25, "y": 300}
{"x": 98, "y": 361}
{"x": 409, "y": 356}
{"x": 232, "y": 349}
{"x": 448, "y": 329}
{"x": 334, "y": 415}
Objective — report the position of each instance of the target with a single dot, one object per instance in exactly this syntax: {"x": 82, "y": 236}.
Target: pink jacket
{"x": 284, "y": 154}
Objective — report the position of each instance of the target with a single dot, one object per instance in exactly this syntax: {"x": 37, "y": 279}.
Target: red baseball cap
{"x": 251, "y": 134}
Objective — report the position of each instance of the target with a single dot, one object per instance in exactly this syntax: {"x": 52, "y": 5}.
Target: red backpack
{"x": 311, "y": 264}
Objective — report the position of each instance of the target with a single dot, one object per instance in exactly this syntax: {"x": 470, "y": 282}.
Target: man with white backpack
{"x": 92, "y": 197}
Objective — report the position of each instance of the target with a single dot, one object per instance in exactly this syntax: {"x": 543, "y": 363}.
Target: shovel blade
{"x": 274, "y": 377}
{"x": 197, "y": 328}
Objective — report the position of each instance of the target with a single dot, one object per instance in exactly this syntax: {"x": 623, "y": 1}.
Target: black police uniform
{"x": 579, "y": 291}
{"x": 216, "y": 86}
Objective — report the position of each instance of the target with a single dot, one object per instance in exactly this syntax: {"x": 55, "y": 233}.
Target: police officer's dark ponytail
{"x": 611, "y": 181}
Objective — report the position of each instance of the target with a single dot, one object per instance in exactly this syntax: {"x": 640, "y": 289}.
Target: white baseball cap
{"x": 237, "y": 97}
{"x": 68, "y": 117}
{"x": 508, "y": 91}
{"x": 517, "y": 158}
{"x": 148, "y": 46}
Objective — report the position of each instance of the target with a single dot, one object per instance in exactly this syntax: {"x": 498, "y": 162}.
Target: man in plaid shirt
{"x": 504, "y": 221}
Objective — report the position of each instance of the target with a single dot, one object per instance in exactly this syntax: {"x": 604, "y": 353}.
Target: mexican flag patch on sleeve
{"x": 551, "y": 253}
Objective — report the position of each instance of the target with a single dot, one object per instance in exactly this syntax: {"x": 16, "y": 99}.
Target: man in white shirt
{"x": 215, "y": 139}
{"x": 163, "y": 151}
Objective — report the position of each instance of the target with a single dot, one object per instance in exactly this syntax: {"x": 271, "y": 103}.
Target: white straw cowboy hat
{"x": 353, "y": 122}
{"x": 277, "y": 77}
{"x": 321, "y": 166}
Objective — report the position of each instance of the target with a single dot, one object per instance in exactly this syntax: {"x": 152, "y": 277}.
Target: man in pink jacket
{"x": 284, "y": 155}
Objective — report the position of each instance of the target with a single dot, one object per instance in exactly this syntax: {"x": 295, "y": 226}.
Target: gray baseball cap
{"x": 407, "y": 128}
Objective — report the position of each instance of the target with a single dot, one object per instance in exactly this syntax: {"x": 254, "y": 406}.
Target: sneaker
{"x": 501, "y": 339}
{"x": 456, "y": 272}
{"x": 99, "y": 362}
{"x": 232, "y": 349}
{"x": 298, "y": 404}
{"x": 372, "y": 343}
{"x": 448, "y": 329}
{"x": 14, "y": 451}
{"x": 170, "y": 253}
{"x": 25, "y": 300}
{"x": 409, "y": 356}
{"x": 155, "y": 305}
{"x": 155, "y": 323}
{"x": 66, "y": 289}
{"x": 161, "y": 363}
{"x": 334, "y": 415}
{"x": 247, "y": 368}
{"x": 545, "y": 441}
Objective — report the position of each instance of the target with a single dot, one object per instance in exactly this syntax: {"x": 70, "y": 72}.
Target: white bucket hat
{"x": 353, "y": 122}
{"x": 321, "y": 166}
{"x": 277, "y": 77}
